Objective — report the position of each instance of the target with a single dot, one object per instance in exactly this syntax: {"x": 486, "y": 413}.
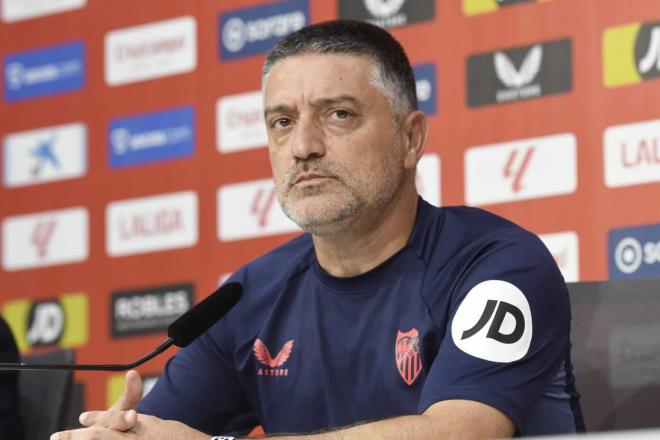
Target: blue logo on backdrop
{"x": 42, "y": 72}
{"x": 635, "y": 252}
{"x": 426, "y": 87}
{"x": 152, "y": 137}
{"x": 257, "y": 29}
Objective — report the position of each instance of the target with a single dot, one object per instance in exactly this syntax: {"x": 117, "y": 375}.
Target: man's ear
{"x": 415, "y": 129}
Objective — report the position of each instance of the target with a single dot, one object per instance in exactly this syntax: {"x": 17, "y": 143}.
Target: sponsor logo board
{"x": 149, "y": 224}
{"x": 387, "y": 13}
{"x": 149, "y": 51}
{"x": 493, "y": 322}
{"x": 46, "y": 71}
{"x": 61, "y": 321}
{"x": 565, "y": 250}
{"x": 249, "y": 210}
{"x": 520, "y": 73}
{"x": 427, "y": 179}
{"x": 257, "y": 29}
{"x": 45, "y": 239}
{"x": 521, "y": 169}
{"x": 426, "y": 85}
{"x": 16, "y": 10}
{"x": 152, "y": 137}
{"x": 632, "y": 153}
{"x": 45, "y": 155}
{"x": 240, "y": 122}
{"x": 474, "y": 7}
{"x": 150, "y": 310}
{"x": 631, "y": 53}
{"x": 634, "y": 252}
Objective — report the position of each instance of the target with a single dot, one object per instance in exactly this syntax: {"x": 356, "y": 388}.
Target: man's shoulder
{"x": 443, "y": 233}
{"x": 277, "y": 266}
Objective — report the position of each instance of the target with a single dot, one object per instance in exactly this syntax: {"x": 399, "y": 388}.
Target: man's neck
{"x": 365, "y": 245}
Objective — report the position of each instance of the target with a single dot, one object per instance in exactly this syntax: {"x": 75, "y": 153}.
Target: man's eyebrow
{"x": 321, "y": 102}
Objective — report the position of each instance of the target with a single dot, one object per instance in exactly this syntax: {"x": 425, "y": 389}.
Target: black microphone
{"x": 185, "y": 329}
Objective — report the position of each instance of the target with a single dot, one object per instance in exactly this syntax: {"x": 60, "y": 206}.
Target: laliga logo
{"x": 383, "y": 8}
{"x": 494, "y": 322}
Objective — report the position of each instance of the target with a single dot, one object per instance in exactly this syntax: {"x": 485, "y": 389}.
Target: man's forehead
{"x": 319, "y": 77}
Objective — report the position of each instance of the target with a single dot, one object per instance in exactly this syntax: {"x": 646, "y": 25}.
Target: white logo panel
{"x": 150, "y": 51}
{"x": 15, "y": 10}
{"x": 522, "y": 169}
{"x": 251, "y": 209}
{"x": 428, "y": 178}
{"x": 240, "y": 122}
{"x": 632, "y": 154}
{"x": 148, "y": 224}
{"x": 46, "y": 154}
{"x": 494, "y": 322}
{"x": 45, "y": 239}
{"x": 565, "y": 250}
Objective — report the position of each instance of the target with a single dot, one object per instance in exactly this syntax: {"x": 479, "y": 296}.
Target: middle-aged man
{"x": 390, "y": 318}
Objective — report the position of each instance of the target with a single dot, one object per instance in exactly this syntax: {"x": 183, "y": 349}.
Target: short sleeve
{"x": 199, "y": 386}
{"x": 507, "y": 326}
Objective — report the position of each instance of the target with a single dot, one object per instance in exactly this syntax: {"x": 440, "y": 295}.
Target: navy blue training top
{"x": 473, "y": 307}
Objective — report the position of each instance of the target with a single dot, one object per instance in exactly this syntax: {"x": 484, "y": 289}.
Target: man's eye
{"x": 281, "y": 122}
{"x": 342, "y": 114}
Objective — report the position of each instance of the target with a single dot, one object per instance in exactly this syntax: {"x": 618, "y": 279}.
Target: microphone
{"x": 185, "y": 329}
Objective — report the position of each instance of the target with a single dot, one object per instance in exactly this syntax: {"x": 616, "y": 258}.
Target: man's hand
{"x": 121, "y": 421}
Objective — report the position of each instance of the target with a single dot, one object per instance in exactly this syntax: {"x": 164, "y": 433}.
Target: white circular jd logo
{"x": 383, "y": 8}
{"x": 494, "y": 322}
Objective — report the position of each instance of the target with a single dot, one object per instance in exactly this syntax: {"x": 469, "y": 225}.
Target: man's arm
{"x": 460, "y": 419}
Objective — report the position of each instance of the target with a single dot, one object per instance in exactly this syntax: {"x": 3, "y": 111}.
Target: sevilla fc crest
{"x": 408, "y": 361}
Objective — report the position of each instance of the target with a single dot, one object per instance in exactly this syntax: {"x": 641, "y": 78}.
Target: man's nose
{"x": 308, "y": 140}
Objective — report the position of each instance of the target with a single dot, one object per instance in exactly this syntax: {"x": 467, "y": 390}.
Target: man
{"x": 407, "y": 320}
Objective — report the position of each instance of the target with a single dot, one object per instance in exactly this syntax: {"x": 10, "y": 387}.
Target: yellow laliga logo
{"x": 619, "y": 66}
{"x": 62, "y": 321}
{"x": 474, "y": 7}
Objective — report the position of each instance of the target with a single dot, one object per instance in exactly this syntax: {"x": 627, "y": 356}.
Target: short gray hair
{"x": 392, "y": 73}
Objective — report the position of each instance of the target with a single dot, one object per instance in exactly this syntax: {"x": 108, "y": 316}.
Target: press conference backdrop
{"x": 135, "y": 173}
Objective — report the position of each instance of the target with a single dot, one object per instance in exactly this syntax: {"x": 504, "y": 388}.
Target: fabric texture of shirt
{"x": 473, "y": 307}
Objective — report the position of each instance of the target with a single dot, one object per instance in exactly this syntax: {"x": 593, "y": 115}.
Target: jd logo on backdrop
{"x": 62, "y": 321}
{"x": 631, "y": 53}
{"x": 473, "y": 7}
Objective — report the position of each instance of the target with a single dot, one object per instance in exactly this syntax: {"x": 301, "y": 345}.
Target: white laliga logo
{"x": 234, "y": 34}
{"x": 628, "y": 255}
{"x": 494, "y": 322}
{"x": 530, "y": 67}
{"x": 383, "y": 8}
